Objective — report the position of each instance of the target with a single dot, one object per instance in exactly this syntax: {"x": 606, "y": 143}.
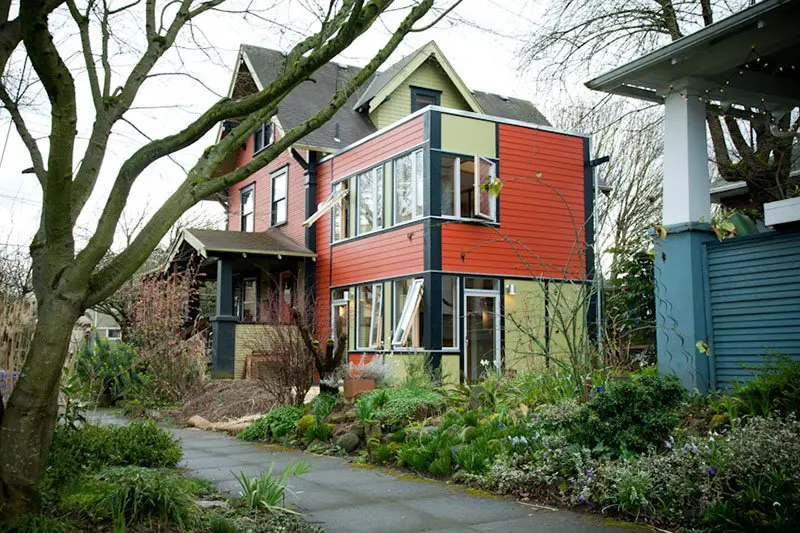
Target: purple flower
{"x": 581, "y": 499}
{"x": 589, "y": 473}
{"x": 600, "y": 388}
{"x": 712, "y": 471}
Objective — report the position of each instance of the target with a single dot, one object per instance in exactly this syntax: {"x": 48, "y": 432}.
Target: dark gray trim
{"x": 588, "y": 209}
{"x": 547, "y": 323}
{"x": 422, "y": 91}
{"x": 310, "y": 179}
{"x": 224, "y": 323}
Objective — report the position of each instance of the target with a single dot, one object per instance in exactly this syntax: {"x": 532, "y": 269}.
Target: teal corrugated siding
{"x": 753, "y": 291}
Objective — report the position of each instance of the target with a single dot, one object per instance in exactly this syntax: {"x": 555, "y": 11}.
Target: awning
{"x": 208, "y": 243}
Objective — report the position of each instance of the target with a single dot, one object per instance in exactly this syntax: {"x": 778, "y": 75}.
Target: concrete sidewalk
{"x": 345, "y": 499}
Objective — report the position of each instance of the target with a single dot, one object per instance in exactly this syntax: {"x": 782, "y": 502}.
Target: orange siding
{"x": 541, "y": 220}
{"x": 384, "y": 254}
{"x": 263, "y": 190}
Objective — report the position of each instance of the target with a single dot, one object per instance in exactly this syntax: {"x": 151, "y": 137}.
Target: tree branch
{"x": 25, "y": 135}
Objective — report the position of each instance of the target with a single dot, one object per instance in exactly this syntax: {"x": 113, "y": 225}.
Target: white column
{"x": 686, "y": 187}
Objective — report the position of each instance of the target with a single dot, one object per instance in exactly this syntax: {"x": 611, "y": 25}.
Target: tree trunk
{"x": 26, "y": 429}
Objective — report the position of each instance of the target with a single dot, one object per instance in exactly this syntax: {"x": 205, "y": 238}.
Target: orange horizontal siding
{"x": 542, "y": 220}
{"x": 391, "y": 253}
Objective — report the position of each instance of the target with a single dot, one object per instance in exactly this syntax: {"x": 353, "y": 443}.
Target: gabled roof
{"x": 311, "y": 96}
{"x": 384, "y": 83}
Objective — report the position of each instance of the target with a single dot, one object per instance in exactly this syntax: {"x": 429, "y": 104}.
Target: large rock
{"x": 348, "y": 442}
{"x": 199, "y": 422}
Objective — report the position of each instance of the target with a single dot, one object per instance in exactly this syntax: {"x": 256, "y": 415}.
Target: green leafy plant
{"x": 364, "y": 408}
{"x": 269, "y": 489}
{"x": 396, "y": 405}
{"x": 110, "y": 370}
{"x": 776, "y": 388}
{"x": 631, "y": 414}
{"x": 323, "y": 404}
{"x": 276, "y": 424}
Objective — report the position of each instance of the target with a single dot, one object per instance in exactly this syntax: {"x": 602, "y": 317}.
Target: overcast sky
{"x": 486, "y": 60}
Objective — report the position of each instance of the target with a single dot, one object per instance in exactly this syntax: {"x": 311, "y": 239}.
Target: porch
{"x": 258, "y": 277}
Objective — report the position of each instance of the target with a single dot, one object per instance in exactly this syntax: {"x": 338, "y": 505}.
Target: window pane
{"x": 366, "y": 202}
{"x": 485, "y": 200}
{"x": 249, "y": 300}
{"x": 279, "y": 212}
{"x": 415, "y": 326}
{"x": 403, "y": 189}
{"x": 258, "y": 140}
{"x": 378, "y": 171}
{"x": 247, "y": 201}
{"x": 448, "y": 185}
{"x": 279, "y": 186}
{"x": 467, "y": 169}
{"x": 481, "y": 283}
{"x": 370, "y": 315}
{"x": 419, "y": 189}
{"x": 449, "y": 312}
{"x": 340, "y": 214}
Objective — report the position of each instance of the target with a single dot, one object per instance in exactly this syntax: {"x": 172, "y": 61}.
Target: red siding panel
{"x": 384, "y": 254}
{"x": 263, "y": 190}
{"x": 541, "y": 220}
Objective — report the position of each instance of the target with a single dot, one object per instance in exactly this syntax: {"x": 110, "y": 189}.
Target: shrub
{"x": 133, "y": 494}
{"x": 267, "y": 490}
{"x": 288, "y": 374}
{"x": 91, "y": 447}
{"x": 42, "y": 524}
{"x": 632, "y": 414}
{"x": 109, "y": 370}
{"x": 776, "y": 388}
{"x": 442, "y": 466}
{"x": 323, "y": 404}
{"x": 538, "y": 387}
{"x": 276, "y": 424}
{"x": 381, "y": 454}
{"x": 395, "y": 405}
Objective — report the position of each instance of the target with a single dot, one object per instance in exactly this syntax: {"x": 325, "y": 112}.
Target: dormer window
{"x": 424, "y": 97}
{"x": 263, "y": 137}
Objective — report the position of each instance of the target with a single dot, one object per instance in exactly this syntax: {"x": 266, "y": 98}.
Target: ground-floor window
{"x": 340, "y": 316}
{"x": 370, "y": 316}
{"x": 409, "y": 312}
{"x": 245, "y": 300}
{"x": 449, "y": 312}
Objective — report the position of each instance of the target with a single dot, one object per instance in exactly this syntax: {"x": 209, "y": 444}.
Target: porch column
{"x": 679, "y": 275}
{"x": 224, "y": 323}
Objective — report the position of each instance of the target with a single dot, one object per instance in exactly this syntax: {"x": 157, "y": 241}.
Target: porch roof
{"x": 271, "y": 242}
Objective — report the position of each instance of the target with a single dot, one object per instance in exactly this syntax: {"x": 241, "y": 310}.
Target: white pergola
{"x": 748, "y": 66}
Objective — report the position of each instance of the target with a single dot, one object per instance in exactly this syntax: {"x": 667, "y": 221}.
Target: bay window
{"x": 408, "y": 187}
{"x": 370, "y": 200}
{"x": 370, "y": 317}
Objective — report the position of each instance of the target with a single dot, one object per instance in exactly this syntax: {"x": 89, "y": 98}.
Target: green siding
{"x": 753, "y": 294}
{"x": 469, "y": 136}
{"x": 428, "y": 76}
{"x": 525, "y": 326}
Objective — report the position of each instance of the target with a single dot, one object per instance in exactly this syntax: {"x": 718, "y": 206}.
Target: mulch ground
{"x": 220, "y": 400}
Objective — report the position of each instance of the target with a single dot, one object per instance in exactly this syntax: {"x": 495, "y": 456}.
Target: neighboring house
{"x": 105, "y": 326}
{"x": 721, "y": 306}
{"x": 385, "y": 215}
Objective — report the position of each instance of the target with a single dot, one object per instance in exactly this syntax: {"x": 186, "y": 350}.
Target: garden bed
{"x": 222, "y": 400}
{"x": 638, "y": 446}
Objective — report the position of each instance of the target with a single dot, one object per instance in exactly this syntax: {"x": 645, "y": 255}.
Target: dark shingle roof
{"x": 511, "y": 108}
{"x": 270, "y": 242}
{"x": 311, "y": 96}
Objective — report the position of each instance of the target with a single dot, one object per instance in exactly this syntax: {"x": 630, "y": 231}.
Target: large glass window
{"x": 370, "y": 200}
{"x": 340, "y": 212}
{"x": 247, "y": 202}
{"x": 370, "y": 316}
{"x": 408, "y": 188}
{"x": 245, "y": 300}
{"x": 449, "y": 312}
{"x": 340, "y": 315}
{"x": 409, "y": 310}
{"x": 280, "y": 186}
{"x": 465, "y": 194}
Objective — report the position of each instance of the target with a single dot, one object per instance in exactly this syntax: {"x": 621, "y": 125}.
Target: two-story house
{"x": 389, "y": 216}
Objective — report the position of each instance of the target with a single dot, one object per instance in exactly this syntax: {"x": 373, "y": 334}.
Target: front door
{"x": 482, "y": 330}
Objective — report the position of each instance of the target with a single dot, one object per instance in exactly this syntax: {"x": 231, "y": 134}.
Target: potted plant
{"x": 363, "y": 377}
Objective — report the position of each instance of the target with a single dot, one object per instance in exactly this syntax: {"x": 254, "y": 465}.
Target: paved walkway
{"x": 346, "y": 499}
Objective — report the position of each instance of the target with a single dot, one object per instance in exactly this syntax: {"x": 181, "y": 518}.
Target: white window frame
{"x": 267, "y": 131}
{"x": 344, "y": 185}
{"x": 477, "y": 190}
{"x": 335, "y": 304}
{"x": 377, "y": 187}
{"x": 376, "y": 315}
{"x": 415, "y": 183}
{"x": 327, "y": 205}
{"x": 283, "y": 172}
{"x": 410, "y": 309}
{"x": 250, "y": 189}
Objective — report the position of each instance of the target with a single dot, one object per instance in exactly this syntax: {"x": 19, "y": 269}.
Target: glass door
{"x": 482, "y": 331}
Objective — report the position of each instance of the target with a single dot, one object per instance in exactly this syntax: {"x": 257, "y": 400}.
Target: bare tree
{"x": 578, "y": 37}
{"x": 66, "y": 280}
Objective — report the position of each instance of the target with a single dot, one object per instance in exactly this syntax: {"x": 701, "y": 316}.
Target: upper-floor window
{"x": 247, "y": 203}
{"x": 340, "y": 212}
{"x": 408, "y": 188}
{"x": 280, "y": 186}
{"x": 263, "y": 137}
{"x": 424, "y": 97}
{"x": 465, "y": 192}
{"x": 370, "y": 200}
